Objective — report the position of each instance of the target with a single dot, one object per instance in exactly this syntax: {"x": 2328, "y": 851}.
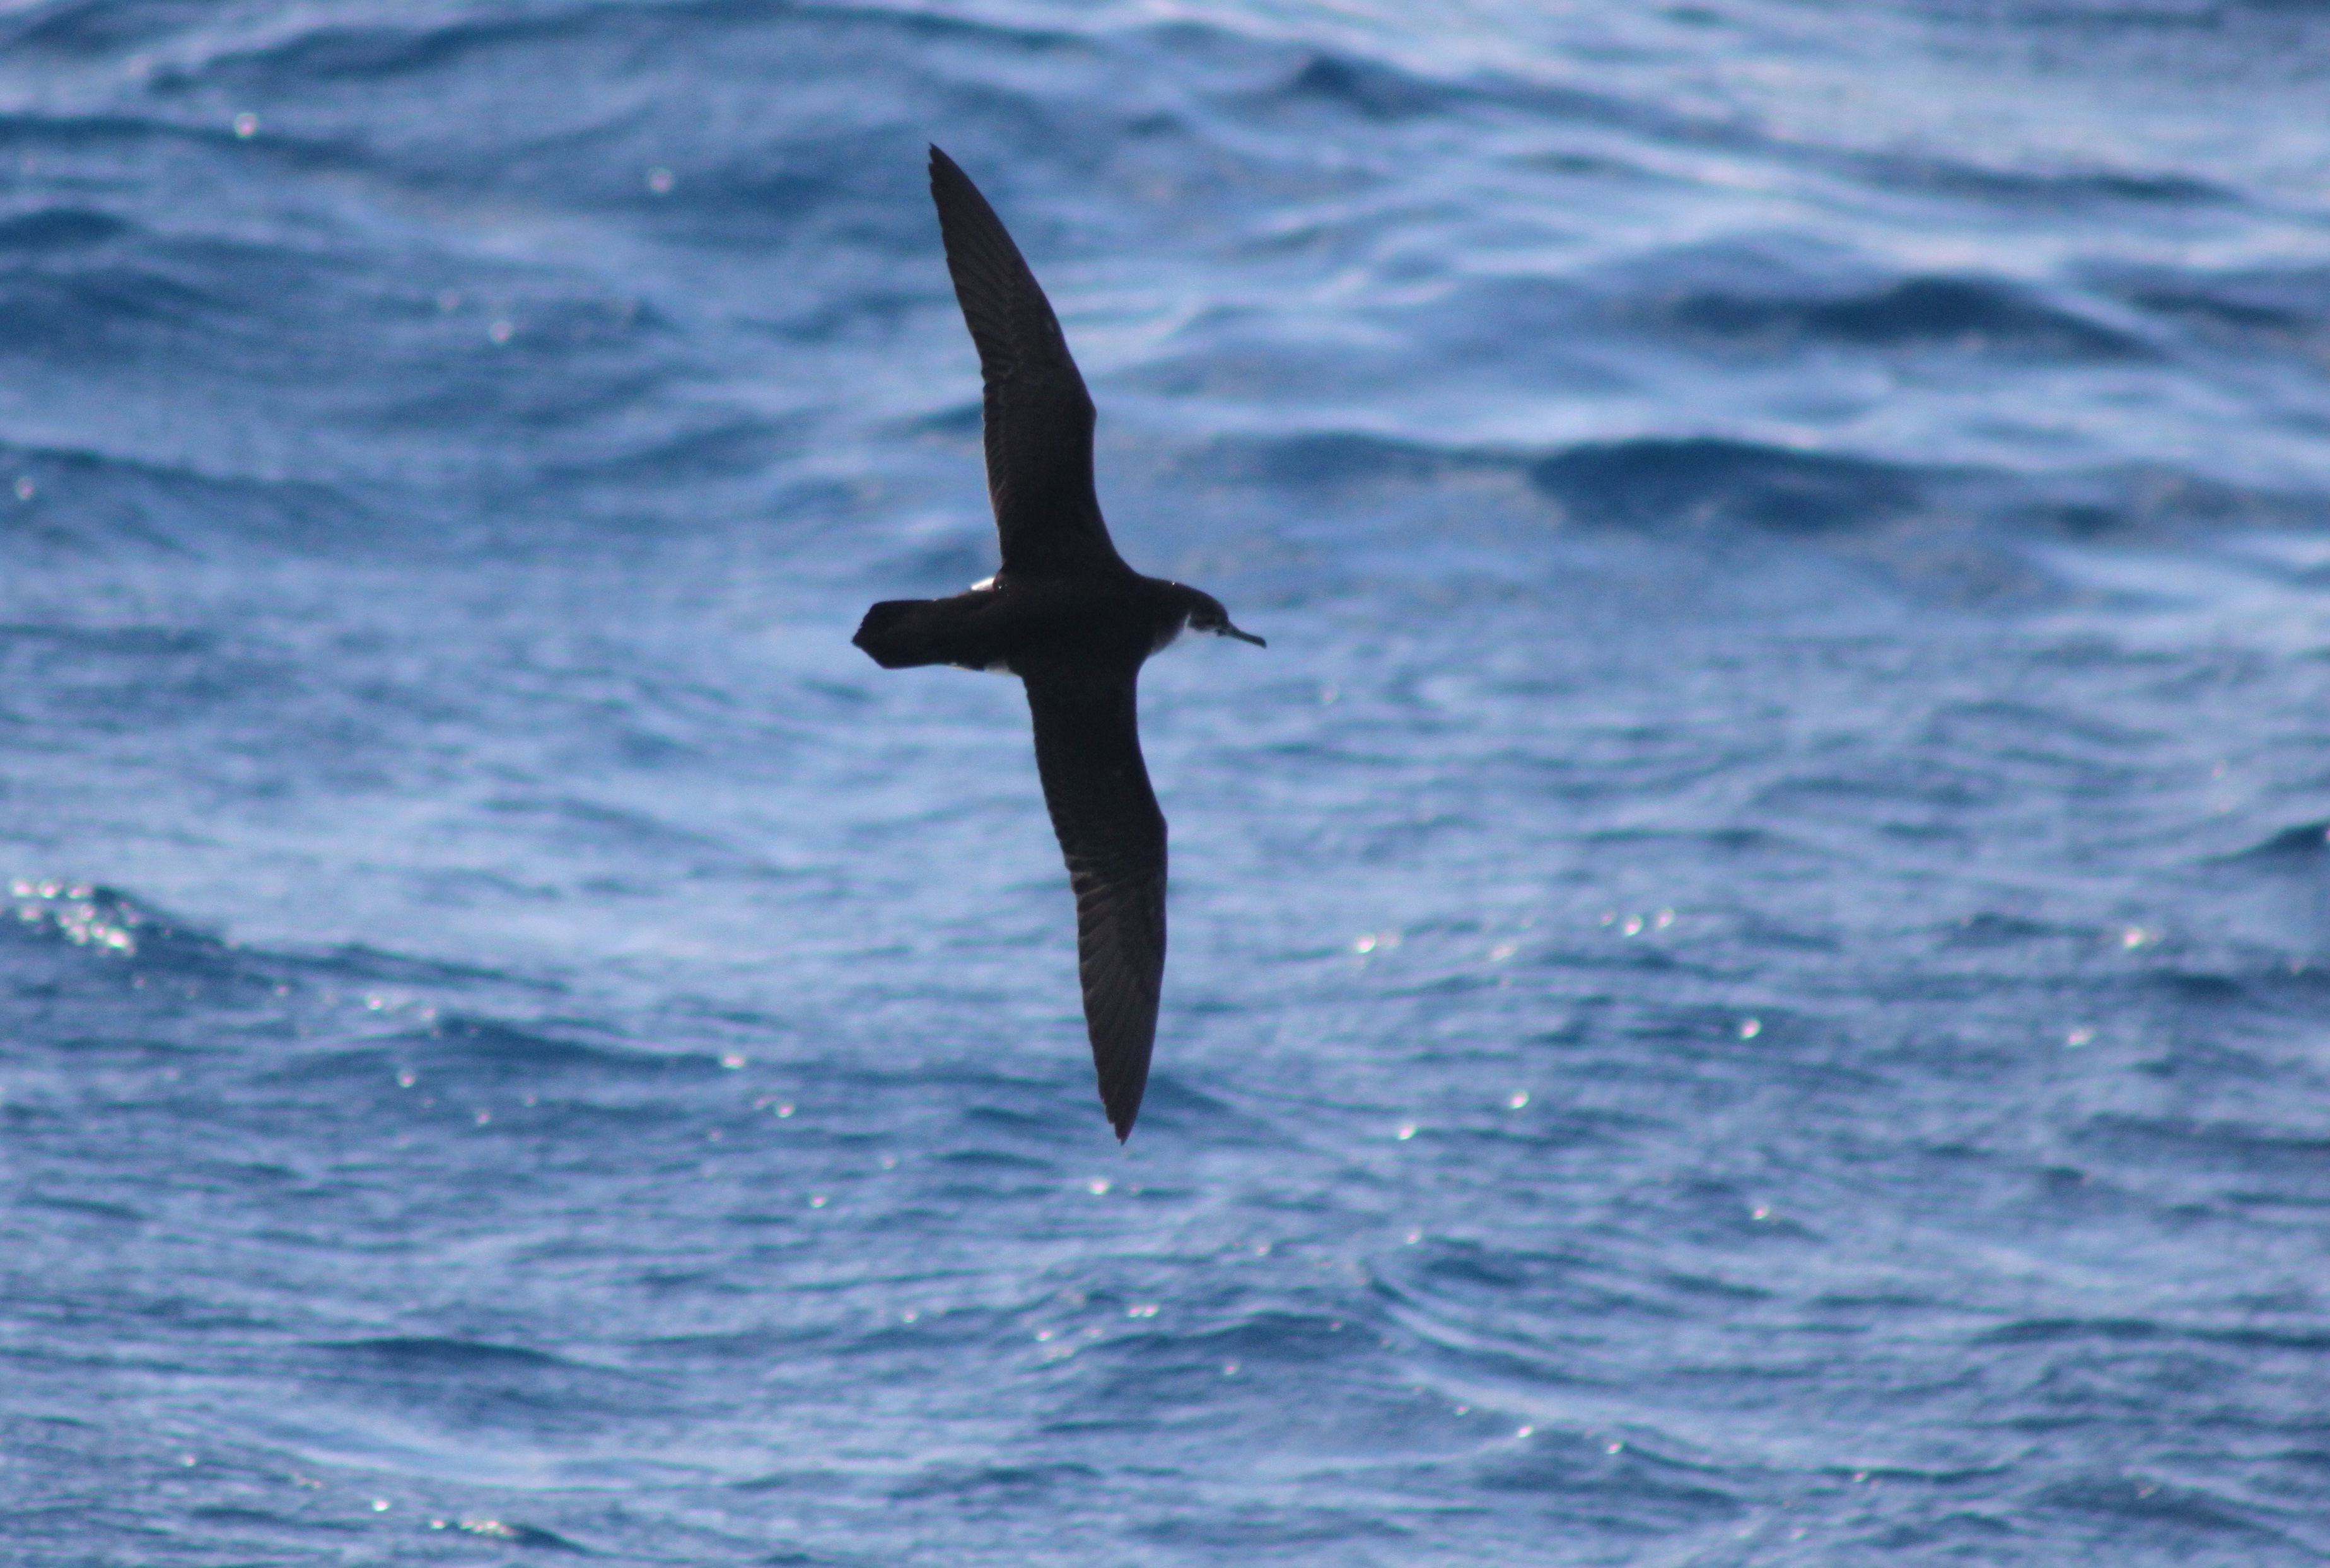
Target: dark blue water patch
{"x": 1961, "y": 536}
{"x": 60, "y": 229}
{"x": 2213, "y": 992}
{"x": 1368, "y": 88}
{"x": 1331, "y": 461}
{"x": 1263, "y": 1337}
{"x": 1259, "y": 1528}
{"x": 1259, "y": 1354}
{"x": 2250, "y": 990}
{"x": 987, "y": 1485}
{"x": 2092, "y": 189}
{"x": 1993, "y": 930}
{"x": 2235, "y": 1147}
{"x": 109, "y": 942}
{"x": 1579, "y": 1478}
{"x": 2302, "y": 848}
{"x": 1717, "y": 1214}
{"x": 801, "y": 1559}
{"x": 1394, "y": 99}
{"x": 2052, "y": 1330}
{"x": 592, "y": 157}
{"x": 456, "y": 1357}
{"x": 1964, "y": 315}
{"x": 1953, "y": 1531}
{"x": 96, "y": 504}
{"x": 372, "y": 53}
{"x": 2118, "y": 1331}
{"x": 1528, "y": 329}
{"x": 86, "y": 1208}
{"x": 1709, "y": 482}
{"x": 482, "y": 1055}
{"x": 2302, "y": 1341}
{"x": 1456, "y": 1269}
{"x": 352, "y": 962}
{"x": 470, "y": 1386}
{"x": 940, "y": 566}
{"x": 97, "y": 30}
{"x": 124, "y": 311}
{"x": 72, "y": 645}
{"x": 230, "y": 1516}
{"x": 2277, "y": 310}
{"x": 565, "y": 817}
{"x": 1858, "y": 786}
{"x": 524, "y": 1537}
{"x": 2020, "y": 731}
{"x": 2131, "y": 502}
{"x": 2129, "y": 1512}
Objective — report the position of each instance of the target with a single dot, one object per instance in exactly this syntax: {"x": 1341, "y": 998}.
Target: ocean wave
{"x": 1966, "y": 315}
{"x": 104, "y": 920}
{"x": 1666, "y": 483}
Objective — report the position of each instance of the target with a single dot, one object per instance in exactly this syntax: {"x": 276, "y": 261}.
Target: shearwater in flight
{"x": 1073, "y": 621}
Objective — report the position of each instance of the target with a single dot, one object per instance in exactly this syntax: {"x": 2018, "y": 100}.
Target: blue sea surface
{"x": 1751, "y": 967}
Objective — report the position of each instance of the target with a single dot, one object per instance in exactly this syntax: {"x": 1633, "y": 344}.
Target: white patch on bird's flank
{"x": 982, "y": 585}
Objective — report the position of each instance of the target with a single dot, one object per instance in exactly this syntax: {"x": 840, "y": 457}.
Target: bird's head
{"x": 1207, "y": 614}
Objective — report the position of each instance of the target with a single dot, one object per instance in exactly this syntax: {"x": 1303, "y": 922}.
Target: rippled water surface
{"x": 1751, "y": 971}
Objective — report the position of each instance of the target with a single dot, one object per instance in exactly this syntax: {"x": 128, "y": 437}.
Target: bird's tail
{"x": 901, "y": 633}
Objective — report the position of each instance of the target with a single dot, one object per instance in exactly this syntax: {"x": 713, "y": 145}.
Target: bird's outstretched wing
{"x": 1038, "y": 416}
{"x": 1088, "y": 751}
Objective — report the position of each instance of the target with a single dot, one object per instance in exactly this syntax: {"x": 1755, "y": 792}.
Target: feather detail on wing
{"x": 1038, "y": 417}
{"x": 1113, "y": 836}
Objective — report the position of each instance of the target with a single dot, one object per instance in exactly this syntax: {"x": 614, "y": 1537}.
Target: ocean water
{"x": 1751, "y": 967}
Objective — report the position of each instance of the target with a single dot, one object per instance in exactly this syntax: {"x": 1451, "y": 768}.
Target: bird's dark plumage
{"x": 1068, "y": 616}
{"x": 1088, "y": 753}
{"x": 1038, "y": 415}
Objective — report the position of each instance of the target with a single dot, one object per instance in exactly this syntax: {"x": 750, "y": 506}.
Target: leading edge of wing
{"x": 1113, "y": 836}
{"x": 1038, "y": 415}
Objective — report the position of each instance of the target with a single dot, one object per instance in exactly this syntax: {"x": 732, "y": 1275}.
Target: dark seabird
{"x": 1073, "y": 621}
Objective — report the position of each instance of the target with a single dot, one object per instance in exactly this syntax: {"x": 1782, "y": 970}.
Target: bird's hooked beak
{"x": 1227, "y": 630}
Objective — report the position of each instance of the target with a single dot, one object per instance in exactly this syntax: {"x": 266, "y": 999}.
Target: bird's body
{"x": 1012, "y": 625}
{"x": 1073, "y": 621}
